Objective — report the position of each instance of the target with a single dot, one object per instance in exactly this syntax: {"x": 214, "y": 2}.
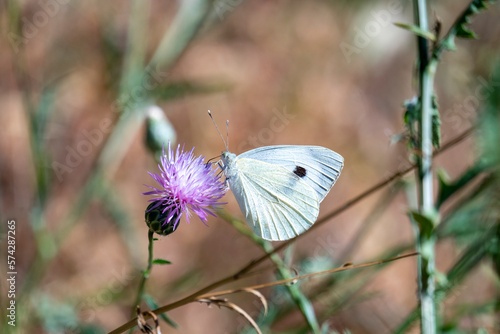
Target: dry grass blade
{"x": 346, "y": 266}
{"x": 232, "y": 306}
{"x": 243, "y": 313}
{"x": 258, "y": 295}
{"x": 143, "y": 325}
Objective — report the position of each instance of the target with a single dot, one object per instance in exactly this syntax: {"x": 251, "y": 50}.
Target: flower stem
{"x": 145, "y": 273}
{"x": 425, "y": 241}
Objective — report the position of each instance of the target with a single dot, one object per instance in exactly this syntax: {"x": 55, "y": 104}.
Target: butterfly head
{"x": 228, "y": 160}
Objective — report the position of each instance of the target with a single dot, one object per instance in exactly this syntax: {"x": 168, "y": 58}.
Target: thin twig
{"x": 296, "y": 278}
{"x": 198, "y": 296}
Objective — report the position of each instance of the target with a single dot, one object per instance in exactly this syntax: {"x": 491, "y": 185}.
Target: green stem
{"x": 302, "y": 302}
{"x": 426, "y": 242}
{"x": 145, "y": 273}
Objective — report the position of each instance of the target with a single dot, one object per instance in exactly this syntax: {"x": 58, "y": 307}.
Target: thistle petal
{"x": 186, "y": 185}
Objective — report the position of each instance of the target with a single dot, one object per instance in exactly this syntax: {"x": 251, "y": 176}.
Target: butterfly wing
{"x": 277, "y": 204}
{"x": 318, "y": 166}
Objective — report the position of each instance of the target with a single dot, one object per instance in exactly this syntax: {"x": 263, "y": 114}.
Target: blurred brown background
{"x": 295, "y": 73}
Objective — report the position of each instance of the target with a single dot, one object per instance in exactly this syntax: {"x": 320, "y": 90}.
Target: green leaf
{"x": 90, "y": 329}
{"x": 153, "y": 306}
{"x": 436, "y": 123}
{"x": 449, "y": 43}
{"x": 161, "y": 261}
{"x": 45, "y": 108}
{"x": 408, "y": 322}
{"x": 472, "y": 215}
{"x": 411, "y": 118}
{"x": 412, "y": 109}
{"x": 186, "y": 88}
{"x": 417, "y": 31}
{"x": 460, "y": 28}
{"x": 113, "y": 54}
{"x": 494, "y": 251}
{"x": 425, "y": 223}
{"x": 465, "y": 32}
{"x": 446, "y": 189}
{"x": 470, "y": 258}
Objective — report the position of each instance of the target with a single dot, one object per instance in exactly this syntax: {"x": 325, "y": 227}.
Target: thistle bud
{"x": 161, "y": 221}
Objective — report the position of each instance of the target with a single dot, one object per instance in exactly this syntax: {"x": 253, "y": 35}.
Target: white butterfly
{"x": 279, "y": 188}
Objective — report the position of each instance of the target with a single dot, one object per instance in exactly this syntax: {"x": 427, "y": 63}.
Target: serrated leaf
{"x": 460, "y": 28}
{"x": 417, "y": 31}
{"x": 464, "y": 32}
{"x": 161, "y": 261}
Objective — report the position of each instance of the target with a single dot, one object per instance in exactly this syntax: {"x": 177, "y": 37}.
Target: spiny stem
{"x": 425, "y": 242}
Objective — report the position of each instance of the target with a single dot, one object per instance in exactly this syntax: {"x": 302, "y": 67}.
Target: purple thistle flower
{"x": 187, "y": 185}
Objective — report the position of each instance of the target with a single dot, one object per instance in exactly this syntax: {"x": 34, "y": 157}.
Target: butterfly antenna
{"x": 227, "y": 135}
{"x": 210, "y": 114}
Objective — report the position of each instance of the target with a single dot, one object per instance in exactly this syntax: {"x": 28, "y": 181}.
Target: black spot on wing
{"x": 300, "y": 171}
